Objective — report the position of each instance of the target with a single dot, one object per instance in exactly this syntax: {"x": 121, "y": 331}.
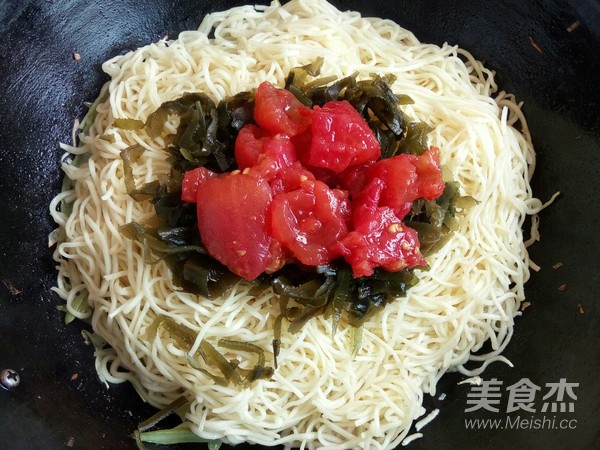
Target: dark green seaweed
{"x": 128, "y": 124}
{"x": 415, "y": 141}
{"x": 213, "y": 358}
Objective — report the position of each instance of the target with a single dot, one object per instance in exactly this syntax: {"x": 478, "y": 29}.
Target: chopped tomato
{"x": 429, "y": 172}
{"x": 249, "y": 145}
{"x": 353, "y": 179}
{"x": 309, "y": 220}
{"x": 366, "y": 202}
{"x": 389, "y": 244}
{"x": 232, "y": 213}
{"x": 327, "y": 176}
{"x": 278, "y": 111}
{"x": 290, "y": 178}
{"x": 379, "y": 238}
{"x": 191, "y": 180}
{"x": 399, "y": 177}
{"x": 340, "y": 138}
{"x": 405, "y": 178}
{"x": 264, "y": 154}
{"x": 280, "y": 256}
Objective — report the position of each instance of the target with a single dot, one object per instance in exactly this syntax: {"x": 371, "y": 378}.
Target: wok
{"x": 545, "y": 51}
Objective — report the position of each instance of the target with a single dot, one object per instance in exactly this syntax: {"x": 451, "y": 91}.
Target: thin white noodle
{"x": 320, "y": 396}
{"x": 413, "y": 437}
{"x": 427, "y": 419}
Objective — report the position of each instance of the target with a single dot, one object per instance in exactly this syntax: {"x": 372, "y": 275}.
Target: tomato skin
{"x": 191, "y": 180}
{"x": 379, "y": 238}
{"x": 279, "y": 112}
{"x": 309, "y": 220}
{"x": 264, "y": 154}
{"x": 429, "y": 172}
{"x": 340, "y": 138}
{"x": 232, "y": 212}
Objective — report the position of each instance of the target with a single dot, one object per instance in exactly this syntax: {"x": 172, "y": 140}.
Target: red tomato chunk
{"x": 309, "y": 220}
{"x": 278, "y": 111}
{"x": 399, "y": 178}
{"x": 405, "y": 178}
{"x": 340, "y": 138}
{"x": 232, "y": 211}
{"x": 283, "y": 206}
{"x": 379, "y": 238}
{"x": 389, "y": 244}
{"x": 265, "y": 154}
{"x": 290, "y": 178}
{"x": 191, "y": 180}
{"x": 429, "y": 171}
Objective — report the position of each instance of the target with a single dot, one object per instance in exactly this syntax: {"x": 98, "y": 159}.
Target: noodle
{"x": 320, "y": 396}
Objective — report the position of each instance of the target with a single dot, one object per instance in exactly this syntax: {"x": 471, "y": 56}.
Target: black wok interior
{"x": 60, "y": 402}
